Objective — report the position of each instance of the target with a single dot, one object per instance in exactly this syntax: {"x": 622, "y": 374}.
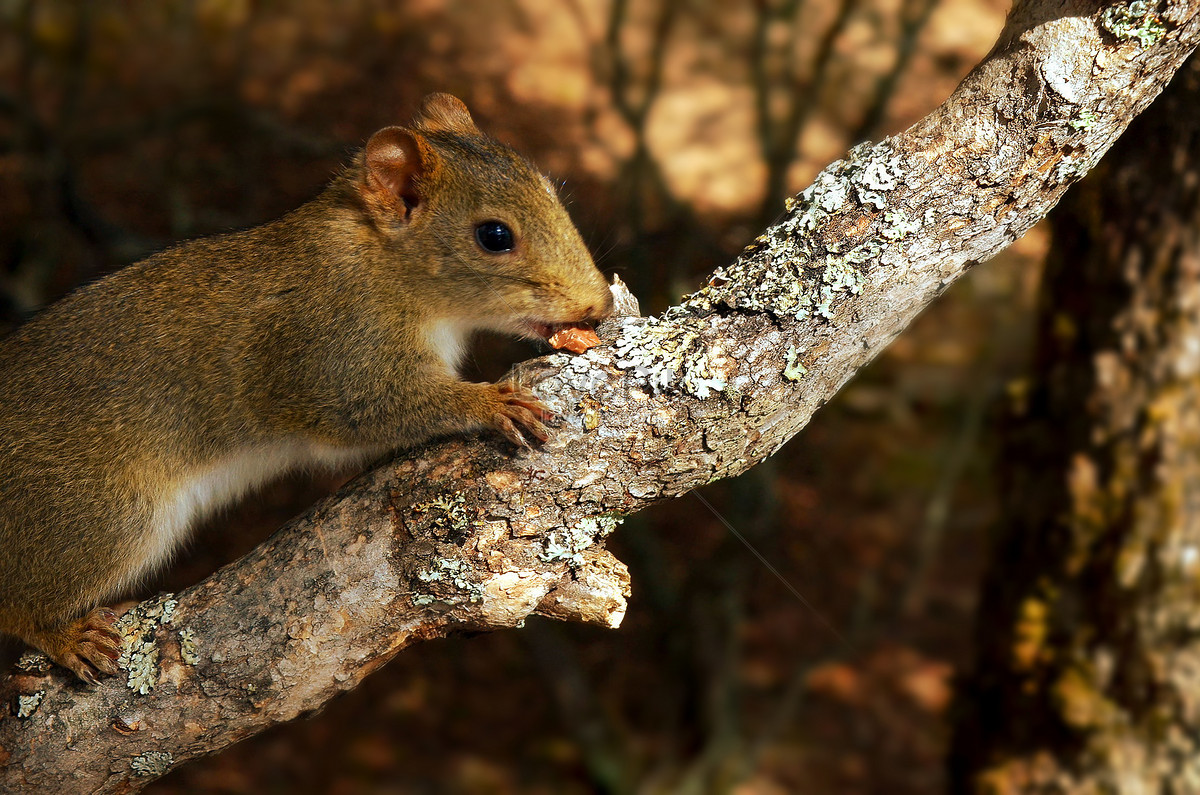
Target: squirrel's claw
{"x": 509, "y": 431}
{"x": 92, "y": 646}
{"x": 521, "y": 414}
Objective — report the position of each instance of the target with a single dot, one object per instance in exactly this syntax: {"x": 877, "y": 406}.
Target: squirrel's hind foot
{"x": 88, "y": 646}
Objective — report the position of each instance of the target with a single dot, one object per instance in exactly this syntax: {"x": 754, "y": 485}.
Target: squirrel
{"x": 146, "y": 400}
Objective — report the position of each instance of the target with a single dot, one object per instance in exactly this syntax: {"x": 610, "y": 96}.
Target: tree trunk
{"x": 1088, "y": 676}
{"x": 465, "y": 536}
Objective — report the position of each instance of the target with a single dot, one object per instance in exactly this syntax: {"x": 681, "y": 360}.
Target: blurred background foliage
{"x": 675, "y": 129}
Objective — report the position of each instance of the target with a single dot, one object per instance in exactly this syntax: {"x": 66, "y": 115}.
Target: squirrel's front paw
{"x": 520, "y": 413}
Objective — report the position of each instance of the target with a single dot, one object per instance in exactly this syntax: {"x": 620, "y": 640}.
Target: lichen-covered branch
{"x": 467, "y": 535}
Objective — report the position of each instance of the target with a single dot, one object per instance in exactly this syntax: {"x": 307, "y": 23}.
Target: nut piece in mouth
{"x": 575, "y": 339}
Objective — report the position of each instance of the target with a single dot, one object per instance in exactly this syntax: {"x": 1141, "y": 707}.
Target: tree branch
{"x": 465, "y": 536}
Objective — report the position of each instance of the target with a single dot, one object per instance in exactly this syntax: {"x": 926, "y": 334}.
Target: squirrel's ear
{"x": 395, "y": 161}
{"x": 445, "y": 113}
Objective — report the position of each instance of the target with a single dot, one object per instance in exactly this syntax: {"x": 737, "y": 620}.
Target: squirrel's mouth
{"x": 573, "y": 337}
{"x": 548, "y": 330}
{"x": 542, "y": 330}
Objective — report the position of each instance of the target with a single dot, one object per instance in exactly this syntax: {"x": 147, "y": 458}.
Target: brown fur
{"x": 303, "y": 341}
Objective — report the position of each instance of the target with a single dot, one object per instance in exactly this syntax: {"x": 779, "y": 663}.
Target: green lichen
{"x": 442, "y": 567}
{"x": 189, "y": 651}
{"x": 600, "y": 526}
{"x": 794, "y": 370}
{"x": 1082, "y": 121}
{"x": 447, "y": 513}
{"x": 34, "y": 662}
{"x": 1066, "y": 169}
{"x": 841, "y": 276}
{"x": 140, "y": 660}
{"x": 824, "y": 307}
{"x": 151, "y": 763}
{"x": 788, "y": 272}
{"x": 793, "y": 273}
{"x": 139, "y": 651}
{"x": 27, "y": 705}
{"x": 1137, "y": 20}
{"x": 422, "y": 599}
{"x": 875, "y": 178}
{"x": 562, "y": 545}
{"x": 568, "y": 543}
{"x": 454, "y": 572}
{"x": 897, "y": 225}
{"x": 670, "y": 353}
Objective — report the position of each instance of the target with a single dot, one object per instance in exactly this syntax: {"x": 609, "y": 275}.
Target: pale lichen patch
{"x": 897, "y": 225}
{"x": 841, "y": 276}
{"x": 189, "y": 651}
{"x": 448, "y": 513}
{"x": 793, "y": 271}
{"x": 139, "y": 651}
{"x": 1082, "y": 121}
{"x": 140, "y": 660}
{"x": 670, "y": 353}
{"x": 28, "y": 704}
{"x": 578, "y": 374}
{"x": 34, "y": 662}
{"x": 1074, "y": 165}
{"x": 875, "y": 177}
{"x": 568, "y": 543}
{"x": 1136, "y": 21}
{"x": 453, "y": 572}
{"x": 151, "y": 763}
{"x": 794, "y": 370}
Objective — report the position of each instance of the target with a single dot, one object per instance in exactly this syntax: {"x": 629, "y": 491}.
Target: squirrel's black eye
{"x": 494, "y": 237}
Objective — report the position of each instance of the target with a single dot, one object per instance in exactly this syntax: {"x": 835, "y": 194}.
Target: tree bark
{"x": 1090, "y": 637}
{"x": 465, "y": 536}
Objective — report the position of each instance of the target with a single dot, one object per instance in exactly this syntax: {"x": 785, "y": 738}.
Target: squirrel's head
{"x": 478, "y": 225}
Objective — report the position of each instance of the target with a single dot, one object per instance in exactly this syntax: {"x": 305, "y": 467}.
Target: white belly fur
{"x": 202, "y": 492}
{"x": 449, "y": 338}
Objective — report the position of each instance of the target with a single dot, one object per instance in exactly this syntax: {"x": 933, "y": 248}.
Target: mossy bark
{"x": 1088, "y": 677}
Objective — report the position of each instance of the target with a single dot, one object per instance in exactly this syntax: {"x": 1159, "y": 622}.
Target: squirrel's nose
{"x": 603, "y": 309}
